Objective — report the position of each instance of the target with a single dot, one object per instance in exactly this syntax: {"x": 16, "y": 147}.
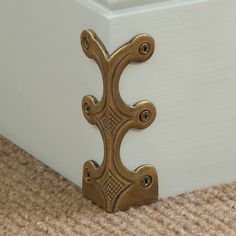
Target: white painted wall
{"x": 190, "y": 78}
{"x": 123, "y": 4}
{"x": 43, "y": 77}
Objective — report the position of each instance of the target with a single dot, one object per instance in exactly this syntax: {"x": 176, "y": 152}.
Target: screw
{"x": 86, "y": 42}
{"x": 86, "y": 172}
{"x": 87, "y": 109}
{"x": 145, "y": 116}
{"x": 146, "y": 181}
{"x": 144, "y": 48}
{"x": 87, "y": 175}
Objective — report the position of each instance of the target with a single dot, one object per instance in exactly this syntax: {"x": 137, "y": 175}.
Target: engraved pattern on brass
{"x": 111, "y": 185}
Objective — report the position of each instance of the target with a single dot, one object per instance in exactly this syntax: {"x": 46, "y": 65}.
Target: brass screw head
{"x": 144, "y": 48}
{"x": 145, "y": 116}
{"x": 87, "y": 175}
{"x": 86, "y": 172}
{"x": 87, "y": 109}
{"x": 146, "y": 181}
{"x": 86, "y": 42}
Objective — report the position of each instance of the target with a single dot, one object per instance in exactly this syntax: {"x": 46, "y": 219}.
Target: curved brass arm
{"x": 112, "y": 186}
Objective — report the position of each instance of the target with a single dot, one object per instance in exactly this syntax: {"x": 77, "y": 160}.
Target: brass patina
{"x": 111, "y": 185}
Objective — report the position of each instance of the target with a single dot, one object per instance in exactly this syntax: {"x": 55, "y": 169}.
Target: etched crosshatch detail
{"x": 110, "y": 121}
{"x": 111, "y": 186}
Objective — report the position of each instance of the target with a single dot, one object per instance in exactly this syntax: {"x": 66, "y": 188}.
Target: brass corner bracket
{"x": 111, "y": 185}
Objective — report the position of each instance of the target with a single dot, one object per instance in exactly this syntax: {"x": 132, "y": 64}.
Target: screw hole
{"x": 87, "y": 109}
{"x": 144, "y": 48}
{"x": 145, "y": 116}
{"x": 86, "y": 42}
{"x": 146, "y": 181}
{"x": 86, "y": 172}
{"x": 87, "y": 175}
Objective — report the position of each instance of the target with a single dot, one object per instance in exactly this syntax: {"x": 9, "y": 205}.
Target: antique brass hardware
{"x": 111, "y": 185}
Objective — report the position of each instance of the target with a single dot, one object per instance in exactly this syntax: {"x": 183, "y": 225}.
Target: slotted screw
{"x": 146, "y": 181}
{"x": 144, "y": 48}
{"x": 86, "y": 42}
{"x": 145, "y": 116}
{"x": 87, "y": 109}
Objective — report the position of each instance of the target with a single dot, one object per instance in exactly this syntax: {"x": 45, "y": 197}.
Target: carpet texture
{"x": 34, "y": 200}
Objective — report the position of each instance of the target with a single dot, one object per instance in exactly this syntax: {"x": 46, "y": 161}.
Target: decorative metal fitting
{"x": 111, "y": 185}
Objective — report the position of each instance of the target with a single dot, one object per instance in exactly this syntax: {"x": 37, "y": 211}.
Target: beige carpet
{"x": 34, "y": 200}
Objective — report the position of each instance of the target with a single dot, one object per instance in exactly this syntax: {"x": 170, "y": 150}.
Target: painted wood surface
{"x": 122, "y": 4}
{"x": 191, "y": 79}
